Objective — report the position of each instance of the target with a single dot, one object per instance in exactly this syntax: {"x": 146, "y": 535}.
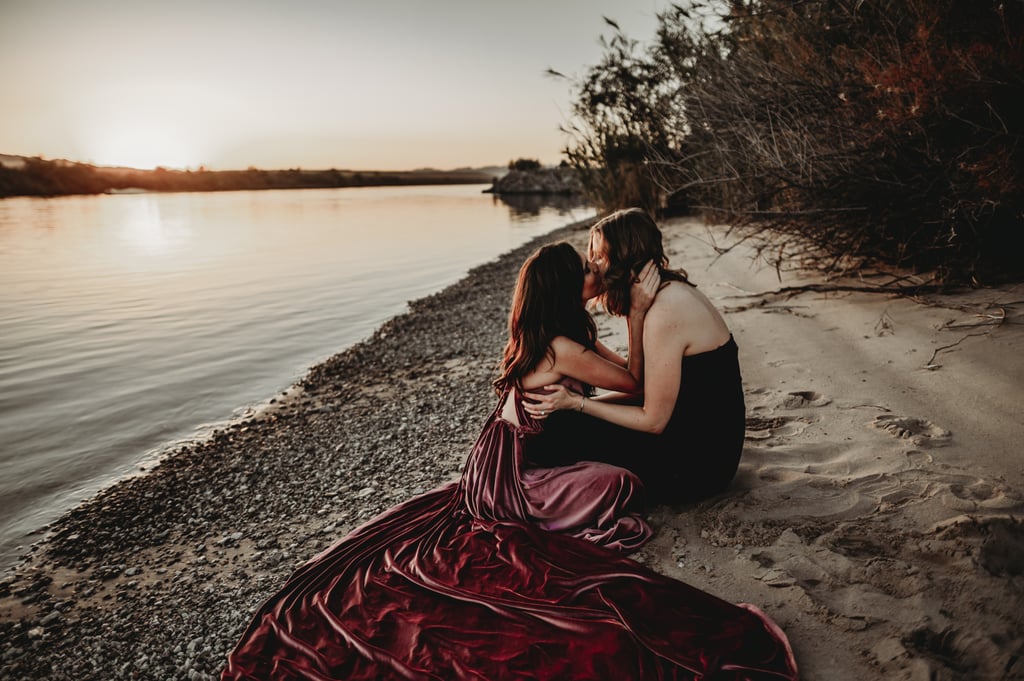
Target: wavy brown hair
{"x": 547, "y": 302}
{"x": 632, "y": 238}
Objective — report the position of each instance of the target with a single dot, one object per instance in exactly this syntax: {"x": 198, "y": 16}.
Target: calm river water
{"x": 130, "y": 322}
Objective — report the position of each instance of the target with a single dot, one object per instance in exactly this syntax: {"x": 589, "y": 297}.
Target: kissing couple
{"x": 519, "y": 569}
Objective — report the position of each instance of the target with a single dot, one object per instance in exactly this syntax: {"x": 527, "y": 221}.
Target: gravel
{"x": 157, "y": 576}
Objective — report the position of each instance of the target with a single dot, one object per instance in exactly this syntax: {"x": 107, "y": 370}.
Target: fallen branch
{"x": 865, "y": 406}
{"x": 984, "y": 320}
{"x": 908, "y": 291}
{"x": 764, "y": 306}
{"x": 930, "y": 363}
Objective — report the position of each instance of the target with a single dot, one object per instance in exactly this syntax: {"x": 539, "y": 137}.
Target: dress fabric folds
{"x": 509, "y": 573}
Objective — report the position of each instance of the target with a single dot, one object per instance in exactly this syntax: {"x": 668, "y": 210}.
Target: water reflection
{"x": 146, "y": 232}
{"x": 522, "y": 207}
{"x": 129, "y": 321}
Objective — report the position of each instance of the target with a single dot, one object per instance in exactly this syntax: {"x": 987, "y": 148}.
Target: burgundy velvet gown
{"x": 509, "y": 573}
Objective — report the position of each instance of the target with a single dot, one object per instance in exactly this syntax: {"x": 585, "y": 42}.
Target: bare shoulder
{"x": 684, "y": 310}
{"x": 678, "y": 302}
{"x": 562, "y": 345}
{"x": 666, "y": 322}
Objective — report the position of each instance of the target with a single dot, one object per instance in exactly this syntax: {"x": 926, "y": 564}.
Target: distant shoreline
{"x": 41, "y": 178}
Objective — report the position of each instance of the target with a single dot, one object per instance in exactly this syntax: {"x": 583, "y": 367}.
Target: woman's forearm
{"x": 628, "y": 416}
{"x": 641, "y": 297}
{"x": 635, "y": 352}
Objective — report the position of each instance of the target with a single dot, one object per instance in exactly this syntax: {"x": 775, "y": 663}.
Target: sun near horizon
{"x": 143, "y": 147}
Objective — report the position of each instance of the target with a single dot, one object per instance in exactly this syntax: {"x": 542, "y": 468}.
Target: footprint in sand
{"x": 766, "y": 422}
{"x": 977, "y": 495}
{"x": 919, "y": 459}
{"x": 921, "y": 432}
{"x": 995, "y": 543}
{"x": 947, "y": 649}
{"x": 767, "y": 427}
{"x": 804, "y": 398}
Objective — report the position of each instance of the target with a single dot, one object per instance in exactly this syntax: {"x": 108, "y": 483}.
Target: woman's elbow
{"x": 655, "y": 426}
{"x": 630, "y": 385}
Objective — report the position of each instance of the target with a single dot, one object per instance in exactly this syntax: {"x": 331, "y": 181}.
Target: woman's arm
{"x": 603, "y": 368}
{"x": 578, "y": 362}
{"x": 664, "y": 345}
{"x": 644, "y": 290}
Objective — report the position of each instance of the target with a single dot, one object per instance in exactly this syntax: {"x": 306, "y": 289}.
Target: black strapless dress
{"x": 697, "y": 454}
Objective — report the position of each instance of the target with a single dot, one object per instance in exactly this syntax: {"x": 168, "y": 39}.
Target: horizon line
{"x": 205, "y": 168}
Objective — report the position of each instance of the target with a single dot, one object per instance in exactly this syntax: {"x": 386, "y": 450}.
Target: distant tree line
{"x": 49, "y": 178}
{"x": 831, "y": 132}
{"x": 524, "y": 164}
{"x": 529, "y": 165}
{"x": 38, "y": 177}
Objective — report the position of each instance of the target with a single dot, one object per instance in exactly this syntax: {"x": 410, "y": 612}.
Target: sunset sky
{"x": 359, "y": 84}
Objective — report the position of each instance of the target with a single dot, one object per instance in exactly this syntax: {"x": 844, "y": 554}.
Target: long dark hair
{"x": 547, "y": 302}
{"x": 632, "y": 238}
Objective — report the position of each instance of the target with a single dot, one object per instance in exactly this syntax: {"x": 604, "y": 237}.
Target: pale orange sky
{"x": 387, "y": 84}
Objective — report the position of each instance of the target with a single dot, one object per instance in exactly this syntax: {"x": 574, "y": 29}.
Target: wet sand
{"x": 876, "y": 516}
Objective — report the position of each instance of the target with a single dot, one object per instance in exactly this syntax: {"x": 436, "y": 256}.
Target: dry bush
{"x": 834, "y": 132}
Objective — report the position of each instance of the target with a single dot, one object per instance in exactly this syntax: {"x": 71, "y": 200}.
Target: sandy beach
{"x": 878, "y": 514}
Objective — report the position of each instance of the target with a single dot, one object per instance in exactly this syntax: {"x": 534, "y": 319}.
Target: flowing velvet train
{"x": 472, "y": 581}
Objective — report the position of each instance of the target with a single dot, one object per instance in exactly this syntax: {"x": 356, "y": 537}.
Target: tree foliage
{"x": 524, "y": 164}
{"x": 833, "y": 132}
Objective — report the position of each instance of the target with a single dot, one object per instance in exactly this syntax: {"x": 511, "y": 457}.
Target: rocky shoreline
{"x": 545, "y": 181}
{"x": 156, "y": 576}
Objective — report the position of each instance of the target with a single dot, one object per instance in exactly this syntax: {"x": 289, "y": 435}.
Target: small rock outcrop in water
{"x": 560, "y": 180}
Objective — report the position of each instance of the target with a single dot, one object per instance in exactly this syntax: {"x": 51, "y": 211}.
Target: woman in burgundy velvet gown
{"x": 512, "y": 572}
